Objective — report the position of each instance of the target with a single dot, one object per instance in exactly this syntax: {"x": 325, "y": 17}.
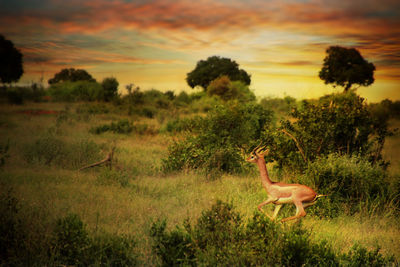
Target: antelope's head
{"x": 257, "y": 153}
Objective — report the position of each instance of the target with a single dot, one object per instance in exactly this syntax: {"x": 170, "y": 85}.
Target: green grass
{"x": 132, "y": 196}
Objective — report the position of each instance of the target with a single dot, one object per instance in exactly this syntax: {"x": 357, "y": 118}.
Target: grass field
{"x": 135, "y": 193}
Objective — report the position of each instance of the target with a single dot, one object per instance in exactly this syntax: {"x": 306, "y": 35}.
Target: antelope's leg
{"x": 300, "y": 212}
{"x": 269, "y": 200}
{"x": 277, "y": 208}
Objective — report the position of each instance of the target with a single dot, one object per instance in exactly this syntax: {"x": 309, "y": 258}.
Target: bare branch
{"x": 107, "y": 160}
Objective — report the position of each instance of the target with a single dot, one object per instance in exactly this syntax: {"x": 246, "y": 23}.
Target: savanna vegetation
{"x": 175, "y": 189}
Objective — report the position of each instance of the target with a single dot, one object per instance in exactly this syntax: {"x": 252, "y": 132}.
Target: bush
{"x": 72, "y": 245}
{"x": 76, "y": 91}
{"x": 224, "y": 88}
{"x": 337, "y": 123}
{"x": 221, "y": 237}
{"x": 122, "y": 126}
{"x": 182, "y": 125}
{"x": 70, "y": 241}
{"x": 349, "y": 180}
{"x": 110, "y": 88}
{"x": 214, "y": 145}
{"x": 12, "y": 233}
{"x": 23, "y": 242}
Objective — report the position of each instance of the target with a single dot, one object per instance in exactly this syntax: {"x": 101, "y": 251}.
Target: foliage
{"x": 110, "y": 87}
{"x": 71, "y": 75}
{"x": 214, "y": 67}
{"x": 345, "y": 67}
{"x": 386, "y": 108}
{"x": 72, "y": 245}
{"x": 23, "y": 242}
{"x": 360, "y": 256}
{"x": 11, "y": 68}
{"x": 122, "y": 126}
{"x": 182, "y": 125}
{"x": 279, "y": 105}
{"x": 70, "y": 240}
{"x": 228, "y": 90}
{"x": 11, "y": 227}
{"x": 338, "y": 123}
{"x": 19, "y": 94}
{"x": 221, "y": 237}
{"x": 76, "y": 91}
{"x": 217, "y": 137}
{"x": 347, "y": 179}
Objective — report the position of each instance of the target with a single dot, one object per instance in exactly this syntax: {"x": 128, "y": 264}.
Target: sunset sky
{"x": 154, "y": 44}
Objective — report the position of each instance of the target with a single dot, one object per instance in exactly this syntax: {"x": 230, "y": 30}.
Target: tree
{"x": 72, "y": 75}
{"x": 110, "y": 87}
{"x": 345, "y": 67}
{"x": 228, "y": 90}
{"x": 11, "y": 68}
{"x": 214, "y": 67}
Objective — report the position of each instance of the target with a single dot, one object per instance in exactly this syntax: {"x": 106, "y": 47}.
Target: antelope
{"x": 281, "y": 193}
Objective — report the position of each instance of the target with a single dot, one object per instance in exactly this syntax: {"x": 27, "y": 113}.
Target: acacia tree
{"x": 345, "y": 67}
{"x": 214, "y": 67}
{"x": 11, "y": 68}
{"x": 72, "y": 75}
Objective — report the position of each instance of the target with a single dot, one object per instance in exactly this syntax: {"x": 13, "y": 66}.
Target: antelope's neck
{"x": 263, "y": 172}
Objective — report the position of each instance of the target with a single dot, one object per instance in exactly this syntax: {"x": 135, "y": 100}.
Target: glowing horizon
{"x": 154, "y": 44}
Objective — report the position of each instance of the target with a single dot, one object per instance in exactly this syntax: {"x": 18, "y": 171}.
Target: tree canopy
{"x": 345, "y": 67}
{"x": 228, "y": 90}
{"x": 214, "y": 67}
{"x": 72, "y": 75}
{"x": 11, "y": 68}
{"x": 110, "y": 87}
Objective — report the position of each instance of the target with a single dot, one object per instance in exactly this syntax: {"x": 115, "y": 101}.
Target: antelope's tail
{"x": 318, "y": 196}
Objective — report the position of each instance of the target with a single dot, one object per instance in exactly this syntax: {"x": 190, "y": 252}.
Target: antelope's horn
{"x": 261, "y": 149}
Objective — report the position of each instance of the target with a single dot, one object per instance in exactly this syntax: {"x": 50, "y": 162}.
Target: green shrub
{"x": 220, "y": 237}
{"x": 226, "y": 89}
{"x": 174, "y": 247}
{"x": 215, "y": 140}
{"x": 182, "y": 125}
{"x": 349, "y": 180}
{"x": 110, "y": 88}
{"x": 338, "y": 123}
{"x": 360, "y": 256}
{"x": 122, "y": 127}
{"x": 71, "y": 241}
{"x": 12, "y": 232}
{"x": 76, "y": 91}
{"x": 113, "y": 250}
{"x": 72, "y": 245}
